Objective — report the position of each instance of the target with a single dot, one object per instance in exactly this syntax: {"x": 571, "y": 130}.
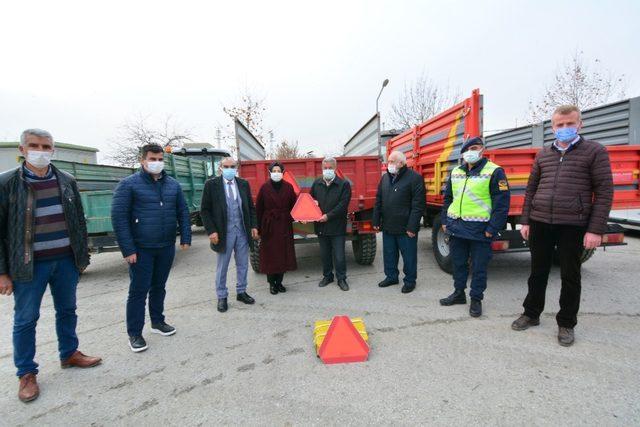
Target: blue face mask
{"x": 566, "y": 134}
{"x": 229, "y": 173}
{"x": 328, "y": 174}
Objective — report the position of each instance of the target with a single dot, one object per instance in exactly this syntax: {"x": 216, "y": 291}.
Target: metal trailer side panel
{"x": 247, "y": 145}
{"x": 365, "y": 142}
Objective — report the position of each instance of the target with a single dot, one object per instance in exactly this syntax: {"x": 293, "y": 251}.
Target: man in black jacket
{"x": 43, "y": 243}
{"x": 333, "y": 195}
{"x": 400, "y": 204}
{"x": 229, "y": 217}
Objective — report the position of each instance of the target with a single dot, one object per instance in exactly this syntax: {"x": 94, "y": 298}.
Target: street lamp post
{"x": 384, "y": 84}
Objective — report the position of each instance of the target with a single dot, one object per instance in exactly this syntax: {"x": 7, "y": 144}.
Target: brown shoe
{"x": 79, "y": 360}
{"x": 29, "y": 389}
{"x": 524, "y": 322}
{"x": 565, "y": 336}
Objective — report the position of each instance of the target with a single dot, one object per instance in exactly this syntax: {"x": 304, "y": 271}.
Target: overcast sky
{"x": 80, "y": 69}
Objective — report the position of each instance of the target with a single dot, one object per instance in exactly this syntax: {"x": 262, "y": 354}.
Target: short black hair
{"x": 150, "y": 148}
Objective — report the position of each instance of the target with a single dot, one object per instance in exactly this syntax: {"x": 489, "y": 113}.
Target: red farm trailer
{"x": 433, "y": 150}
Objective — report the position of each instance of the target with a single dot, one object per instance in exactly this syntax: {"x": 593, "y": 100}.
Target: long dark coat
{"x": 273, "y": 209}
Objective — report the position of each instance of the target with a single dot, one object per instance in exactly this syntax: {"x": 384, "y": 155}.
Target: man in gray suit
{"x": 229, "y": 217}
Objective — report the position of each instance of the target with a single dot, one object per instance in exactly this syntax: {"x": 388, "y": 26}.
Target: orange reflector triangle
{"x": 306, "y": 209}
{"x": 343, "y": 343}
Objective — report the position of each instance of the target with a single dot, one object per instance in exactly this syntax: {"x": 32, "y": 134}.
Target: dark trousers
{"x": 62, "y": 277}
{"x": 480, "y": 253}
{"x": 332, "y": 253}
{"x": 543, "y": 238}
{"x": 394, "y": 245}
{"x": 275, "y": 278}
{"x": 148, "y": 277}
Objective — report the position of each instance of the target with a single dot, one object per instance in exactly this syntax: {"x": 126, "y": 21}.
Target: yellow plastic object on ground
{"x": 321, "y": 328}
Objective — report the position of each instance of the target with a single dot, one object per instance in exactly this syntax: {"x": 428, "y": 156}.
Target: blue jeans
{"x": 62, "y": 277}
{"x": 148, "y": 277}
{"x": 480, "y": 253}
{"x": 392, "y": 246}
{"x": 332, "y": 254}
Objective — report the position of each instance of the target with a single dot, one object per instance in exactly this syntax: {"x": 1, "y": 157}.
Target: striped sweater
{"x": 51, "y": 237}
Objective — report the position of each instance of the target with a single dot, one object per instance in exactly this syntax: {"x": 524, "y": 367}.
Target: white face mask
{"x": 276, "y": 176}
{"x": 39, "y": 159}
{"x": 392, "y": 169}
{"x": 155, "y": 167}
{"x": 470, "y": 156}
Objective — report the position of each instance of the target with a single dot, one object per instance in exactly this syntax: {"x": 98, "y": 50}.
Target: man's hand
{"x": 324, "y": 218}
{"x": 131, "y": 259}
{"x": 184, "y": 247}
{"x": 444, "y": 228}
{"x": 254, "y": 234}
{"x": 376, "y": 228}
{"x": 488, "y": 235}
{"x": 410, "y": 234}
{"x": 524, "y": 231}
{"x": 592, "y": 241}
{"x": 213, "y": 238}
{"x": 6, "y": 285}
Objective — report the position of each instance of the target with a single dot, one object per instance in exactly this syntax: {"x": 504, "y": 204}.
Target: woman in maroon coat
{"x": 273, "y": 209}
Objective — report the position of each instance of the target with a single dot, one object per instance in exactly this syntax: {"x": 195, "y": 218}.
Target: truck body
{"x": 362, "y": 172}
{"x": 433, "y": 150}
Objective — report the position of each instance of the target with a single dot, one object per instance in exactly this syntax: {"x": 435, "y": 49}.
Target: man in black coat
{"x": 400, "y": 204}
{"x": 229, "y": 217}
{"x": 333, "y": 195}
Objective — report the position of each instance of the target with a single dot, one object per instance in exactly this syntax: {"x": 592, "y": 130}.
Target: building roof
{"x": 9, "y": 144}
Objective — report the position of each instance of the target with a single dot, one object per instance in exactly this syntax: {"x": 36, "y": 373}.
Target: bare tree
{"x": 250, "y": 110}
{"x": 136, "y": 133}
{"x": 580, "y": 83}
{"x": 288, "y": 150}
{"x": 420, "y": 101}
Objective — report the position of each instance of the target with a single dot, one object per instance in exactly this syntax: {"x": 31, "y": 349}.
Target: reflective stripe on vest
{"x": 471, "y": 194}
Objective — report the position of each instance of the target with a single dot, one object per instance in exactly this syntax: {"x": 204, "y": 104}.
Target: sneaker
{"x": 162, "y": 329}
{"x": 137, "y": 344}
{"x": 565, "y": 336}
{"x": 524, "y": 322}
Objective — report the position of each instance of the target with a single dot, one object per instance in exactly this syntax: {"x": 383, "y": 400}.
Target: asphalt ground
{"x": 256, "y": 365}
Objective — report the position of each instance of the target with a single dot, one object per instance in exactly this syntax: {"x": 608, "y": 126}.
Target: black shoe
{"x": 408, "y": 287}
{"x": 343, "y": 284}
{"x": 325, "y": 281}
{"x": 222, "y": 305}
{"x": 245, "y": 298}
{"x": 457, "y": 297}
{"x": 281, "y": 288}
{"x": 163, "y": 329}
{"x": 137, "y": 344}
{"x": 273, "y": 288}
{"x": 388, "y": 282}
{"x": 566, "y": 337}
{"x": 524, "y": 322}
{"x": 475, "y": 308}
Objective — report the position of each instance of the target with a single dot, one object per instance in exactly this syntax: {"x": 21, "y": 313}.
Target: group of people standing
{"x": 44, "y": 235}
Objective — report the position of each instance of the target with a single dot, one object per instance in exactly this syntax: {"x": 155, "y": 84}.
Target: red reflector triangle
{"x": 343, "y": 343}
{"x": 306, "y": 209}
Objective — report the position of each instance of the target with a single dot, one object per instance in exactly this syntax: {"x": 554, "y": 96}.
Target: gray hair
{"x": 235, "y": 162}
{"x": 40, "y": 133}
{"x": 399, "y": 155}
{"x": 330, "y": 160}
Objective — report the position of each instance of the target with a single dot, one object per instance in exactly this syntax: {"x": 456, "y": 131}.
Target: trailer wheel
{"x": 440, "y": 243}
{"x": 197, "y": 221}
{"x": 586, "y": 254}
{"x": 254, "y": 256}
{"x": 364, "y": 248}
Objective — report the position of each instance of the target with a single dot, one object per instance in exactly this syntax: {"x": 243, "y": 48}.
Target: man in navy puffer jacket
{"x": 147, "y": 208}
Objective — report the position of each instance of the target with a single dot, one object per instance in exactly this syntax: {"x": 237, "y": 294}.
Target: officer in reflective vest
{"x": 476, "y": 205}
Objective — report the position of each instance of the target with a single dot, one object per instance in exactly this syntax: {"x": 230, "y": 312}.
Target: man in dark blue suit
{"x": 147, "y": 208}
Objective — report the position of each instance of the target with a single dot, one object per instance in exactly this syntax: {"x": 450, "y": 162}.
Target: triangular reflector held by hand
{"x": 343, "y": 343}
{"x": 306, "y": 209}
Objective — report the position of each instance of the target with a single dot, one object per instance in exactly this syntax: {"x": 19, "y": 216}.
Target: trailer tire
{"x": 254, "y": 256}
{"x": 586, "y": 255}
{"x": 440, "y": 244}
{"x": 364, "y": 248}
{"x": 197, "y": 221}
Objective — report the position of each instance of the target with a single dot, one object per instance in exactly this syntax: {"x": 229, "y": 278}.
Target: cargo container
{"x": 433, "y": 150}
